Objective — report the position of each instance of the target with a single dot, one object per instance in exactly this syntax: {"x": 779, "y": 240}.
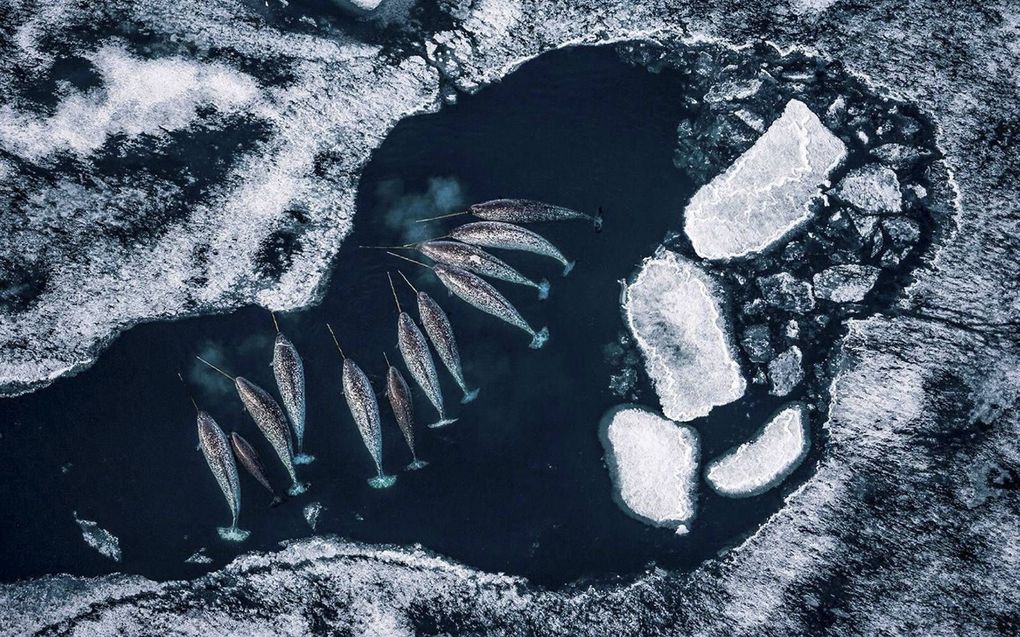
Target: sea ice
{"x": 786, "y": 292}
{"x": 312, "y": 511}
{"x": 673, "y": 311}
{"x": 873, "y": 189}
{"x": 768, "y": 190}
{"x": 786, "y": 371}
{"x": 762, "y": 463}
{"x": 845, "y": 283}
{"x": 653, "y": 463}
{"x": 99, "y": 538}
{"x": 199, "y": 557}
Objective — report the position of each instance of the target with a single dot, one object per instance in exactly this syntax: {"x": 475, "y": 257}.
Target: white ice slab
{"x": 873, "y": 189}
{"x": 845, "y": 283}
{"x": 674, "y": 314}
{"x": 653, "y": 463}
{"x": 767, "y": 191}
{"x": 99, "y": 538}
{"x": 762, "y": 463}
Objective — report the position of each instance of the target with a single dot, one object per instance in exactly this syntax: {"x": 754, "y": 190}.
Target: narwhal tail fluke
{"x": 539, "y": 338}
{"x": 543, "y": 289}
{"x": 597, "y": 220}
{"x": 232, "y": 533}
{"x": 470, "y": 395}
{"x": 442, "y": 423}
{"x": 381, "y": 481}
{"x": 297, "y": 488}
{"x": 568, "y": 266}
{"x": 417, "y": 464}
{"x": 303, "y": 458}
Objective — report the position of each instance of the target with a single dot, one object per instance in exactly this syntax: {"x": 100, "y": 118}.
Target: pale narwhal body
{"x": 289, "y": 371}
{"x": 415, "y": 351}
{"x": 399, "y": 395}
{"x": 216, "y": 449}
{"x": 251, "y": 461}
{"x": 364, "y": 409}
{"x": 529, "y": 211}
{"x": 474, "y": 259}
{"x": 507, "y": 236}
{"x": 440, "y": 332}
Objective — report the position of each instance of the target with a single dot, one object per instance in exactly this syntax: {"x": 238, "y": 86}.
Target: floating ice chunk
{"x": 653, "y": 463}
{"x": 786, "y": 371}
{"x": 674, "y": 314}
{"x": 757, "y": 344}
{"x": 762, "y": 463}
{"x": 732, "y": 90}
{"x": 312, "y": 511}
{"x": 845, "y": 283}
{"x": 785, "y": 292}
{"x": 199, "y": 557}
{"x": 873, "y": 189}
{"x": 99, "y": 538}
{"x": 898, "y": 155}
{"x": 767, "y": 191}
{"x": 366, "y": 5}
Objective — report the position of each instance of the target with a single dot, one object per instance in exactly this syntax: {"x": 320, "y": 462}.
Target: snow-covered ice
{"x": 762, "y": 463}
{"x": 768, "y": 190}
{"x": 653, "y": 463}
{"x": 312, "y": 511}
{"x": 786, "y": 371}
{"x": 845, "y": 283}
{"x": 199, "y": 557}
{"x": 673, "y": 311}
{"x": 99, "y": 538}
{"x": 786, "y": 292}
{"x": 873, "y": 189}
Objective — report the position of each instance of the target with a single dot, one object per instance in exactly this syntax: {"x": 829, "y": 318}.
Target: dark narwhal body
{"x": 290, "y": 380}
{"x": 269, "y": 417}
{"x": 528, "y": 211}
{"x": 248, "y": 457}
{"x": 216, "y": 449}
{"x": 507, "y": 236}
{"x": 474, "y": 259}
{"x": 486, "y": 298}
{"x": 399, "y": 395}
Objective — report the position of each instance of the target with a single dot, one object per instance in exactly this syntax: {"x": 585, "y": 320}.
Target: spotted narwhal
{"x": 399, "y": 395}
{"x": 248, "y": 457}
{"x": 216, "y": 449}
{"x": 524, "y": 211}
{"x": 289, "y": 371}
{"x": 474, "y": 259}
{"x": 269, "y": 417}
{"x": 415, "y": 350}
{"x": 507, "y": 236}
{"x": 440, "y": 332}
{"x": 364, "y": 408}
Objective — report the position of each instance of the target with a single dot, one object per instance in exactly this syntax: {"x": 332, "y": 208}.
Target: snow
{"x": 762, "y": 463}
{"x": 786, "y": 371}
{"x": 673, "y": 310}
{"x": 873, "y": 189}
{"x": 99, "y": 538}
{"x": 767, "y": 191}
{"x": 653, "y": 463}
{"x": 845, "y": 283}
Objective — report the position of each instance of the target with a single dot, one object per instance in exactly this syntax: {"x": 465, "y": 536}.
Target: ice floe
{"x": 768, "y": 190}
{"x": 199, "y": 557}
{"x": 786, "y": 371}
{"x": 653, "y": 463}
{"x": 99, "y": 538}
{"x": 765, "y": 461}
{"x": 786, "y": 292}
{"x": 673, "y": 311}
{"x": 873, "y": 189}
{"x": 845, "y": 283}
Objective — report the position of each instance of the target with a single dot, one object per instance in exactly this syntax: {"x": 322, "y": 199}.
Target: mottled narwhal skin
{"x": 507, "y": 236}
{"x": 415, "y": 350}
{"x": 269, "y": 417}
{"x": 474, "y": 259}
{"x": 486, "y": 298}
{"x": 440, "y": 331}
{"x": 399, "y": 395}
{"x": 290, "y": 379}
{"x": 248, "y": 457}
{"x": 528, "y": 211}
{"x": 216, "y": 449}
{"x": 365, "y": 410}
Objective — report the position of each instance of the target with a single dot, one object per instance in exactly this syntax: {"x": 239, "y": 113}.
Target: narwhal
{"x": 507, "y": 236}
{"x": 415, "y": 350}
{"x": 474, "y": 259}
{"x": 399, "y": 395}
{"x": 365, "y": 410}
{"x": 523, "y": 211}
{"x": 289, "y": 371}
{"x": 270, "y": 420}
{"x": 475, "y": 291}
{"x": 440, "y": 332}
{"x": 216, "y": 449}
{"x": 248, "y": 457}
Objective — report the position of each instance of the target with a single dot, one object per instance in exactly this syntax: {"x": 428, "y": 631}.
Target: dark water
{"x": 518, "y": 484}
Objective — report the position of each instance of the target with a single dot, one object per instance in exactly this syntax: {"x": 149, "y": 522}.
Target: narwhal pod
{"x": 529, "y": 211}
{"x": 272, "y": 423}
{"x": 364, "y": 408}
{"x": 507, "y": 236}
{"x": 289, "y": 371}
{"x": 474, "y": 259}
{"x": 216, "y": 449}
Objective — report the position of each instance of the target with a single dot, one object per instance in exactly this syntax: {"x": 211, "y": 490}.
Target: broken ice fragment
{"x": 653, "y": 464}
{"x": 312, "y": 512}
{"x": 898, "y": 155}
{"x": 872, "y": 189}
{"x": 845, "y": 283}
{"x": 99, "y": 538}
{"x": 755, "y": 341}
{"x": 768, "y": 190}
{"x": 785, "y": 292}
{"x": 762, "y": 463}
{"x": 786, "y": 372}
{"x": 199, "y": 557}
{"x": 732, "y": 90}
{"x": 674, "y": 314}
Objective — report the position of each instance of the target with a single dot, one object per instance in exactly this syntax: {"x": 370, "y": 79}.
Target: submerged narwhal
{"x": 289, "y": 371}
{"x": 507, "y": 236}
{"x": 251, "y": 461}
{"x": 270, "y": 420}
{"x": 415, "y": 350}
{"x": 524, "y": 211}
{"x": 474, "y": 259}
{"x": 440, "y": 332}
{"x": 216, "y": 449}
{"x": 399, "y": 395}
{"x": 364, "y": 408}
